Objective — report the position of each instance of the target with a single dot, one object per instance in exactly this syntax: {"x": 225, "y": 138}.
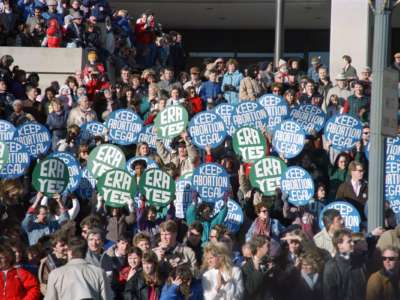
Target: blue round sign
{"x": 151, "y": 164}
{"x": 234, "y": 218}
{"x": 288, "y": 139}
{"x": 211, "y": 181}
{"x": 310, "y": 117}
{"x": 298, "y": 184}
{"x": 74, "y": 170}
{"x": 343, "y": 131}
{"x": 225, "y": 111}
{"x": 124, "y": 126}
{"x": 92, "y": 129}
{"x": 392, "y": 148}
{"x": 18, "y": 162}
{"x": 183, "y": 196}
{"x": 87, "y": 185}
{"x": 276, "y": 107}
{"x": 249, "y": 113}
{"x": 392, "y": 180}
{"x": 148, "y": 135}
{"x": 7, "y": 131}
{"x": 207, "y": 129}
{"x": 35, "y": 136}
{"x": 349, "y": 213}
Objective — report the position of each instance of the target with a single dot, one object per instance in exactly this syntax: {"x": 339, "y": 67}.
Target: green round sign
{"x": 4, "y": 154}
{"x": 265, "y": 174}
{"x": 249, "y": 143}
{"x": 117, "y": 187}
{"x": 104, "y": 158}
{"x": 50, "y": 176}
{"x": 157, "y": 186}
{"x": 171, "y": 121}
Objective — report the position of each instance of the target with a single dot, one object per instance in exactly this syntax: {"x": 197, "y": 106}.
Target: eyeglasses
{"x": 390, "y": 258}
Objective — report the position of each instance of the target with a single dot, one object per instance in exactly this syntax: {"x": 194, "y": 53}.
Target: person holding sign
{"x": 203, "y": 213}
{"x": 355, "y": 190}
{"x": 183, "y": 157}
{"x": 36, "y": 224}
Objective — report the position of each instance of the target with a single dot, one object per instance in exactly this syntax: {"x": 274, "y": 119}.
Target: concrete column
{"x": 350, "y": 34}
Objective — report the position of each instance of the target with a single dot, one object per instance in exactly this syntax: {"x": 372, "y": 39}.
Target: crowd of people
{"x": 75, "y": 245}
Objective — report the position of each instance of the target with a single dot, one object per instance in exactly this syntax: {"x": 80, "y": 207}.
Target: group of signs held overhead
{"x": 112, "y": 176}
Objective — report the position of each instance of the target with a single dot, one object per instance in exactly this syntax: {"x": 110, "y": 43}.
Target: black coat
{"x": 344, "y": 279}
{"x": 257, "y": 283}
{"x": 301, "y": 290}
{"x": 137, "y": 289}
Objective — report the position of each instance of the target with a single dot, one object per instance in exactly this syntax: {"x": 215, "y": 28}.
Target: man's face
{"x": 37, "y": 12}
{"x": 357, "y": 174}
{"x": 358, "y": 89}
{"x": 263, "y": 250}
{"x": 365, "y": 75}
{"x": 32, "y": 94}
{"x": 213, "y": 76}
{"x": 143, "y": 245}
{"x": 322, "y": 73}
{"x": 310, "y": 88}
{"x": 84, "y": 232}
{"x": 95, "y": 242}
{"x": 194, "y": 237}
{"x": 390, "y": 260}
{"x": 125, "y": 75}
{"x": 194, "y": 76}
{"x": 347, "y": 245}
{"x": 168, "y": 239}
{"x": 84, "y": 103}
{"x": 61, "y": 250}
{"x": 182, "y": 151}
{"x": 75, "y": 4}
{"x": 4, "y": 262}
{"x": 42, "y": 215}
{"x": 139, "y": 169}
{"x": 175, "y": 94}
{"x": 337, "y": 223}
{"x": 341, "y": 83}
{"x": 168, "y": 75}
{"x": 397, "y": 59}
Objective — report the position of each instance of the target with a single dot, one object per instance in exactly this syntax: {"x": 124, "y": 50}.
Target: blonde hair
{"x": 221, "y": 251}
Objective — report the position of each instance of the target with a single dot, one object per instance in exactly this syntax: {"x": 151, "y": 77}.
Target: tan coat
{"x": 249, "y": 89}
{"x": 379, "y": 287}
{"x": 389, "y": 238}
{"x": 324, "y": 241}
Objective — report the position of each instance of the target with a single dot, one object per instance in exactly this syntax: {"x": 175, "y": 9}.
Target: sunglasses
{"x": 390, "y": 258}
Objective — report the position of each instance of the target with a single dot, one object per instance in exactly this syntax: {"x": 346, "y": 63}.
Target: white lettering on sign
{"x": 2, "y": 149}
{"x": 51, "y": 186}
{"x": 250, "y": 153}
{"x": 267, "y": 167}
{"x": 106, "y": 159}
{"x": 171, "y": 115}
{"x": 248, "y": 136}
{"x": 172, "y": 129}
{"x": 52, "y": 168}
{"x": 116, "y": 196}
{"x": 157, "y": 179}
{"x": 157, "y": 195}
{"x": 118, "y": 180}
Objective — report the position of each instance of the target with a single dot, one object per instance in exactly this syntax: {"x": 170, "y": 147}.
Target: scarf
{"x": 261, "y": 228}
{"x": 152, "y": 293}
{"x": 310, "y": 279}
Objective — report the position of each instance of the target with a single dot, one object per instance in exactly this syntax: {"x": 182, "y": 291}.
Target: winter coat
{"x": 172, "y": 292}
{"x": 389, "y": 238}
{"x": 78, "y": 116}
{"x": 249, "y": 89}
{"x": 57, "y": 124}
{"x": 232, "y": 79}
{"x": 137, "y": 289}
{"x": 344, "y": 279}
{"x": 209, "y": 90}
{"x": 346, "y": 192}
{"x": 324, "y": 241}
{"x": 256, "y": 285}
{"x": 381, "y": 286}
{"x": 47, "y": 264}
{"x": 232, "y": 289}
{"x": 207, "y": 225}
{"x": 19, "y": 284}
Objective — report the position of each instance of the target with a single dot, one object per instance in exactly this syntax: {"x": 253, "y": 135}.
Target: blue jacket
{"x": 172, "y": 292}
{"x": 209, "y": 89}
{"x": 57, "y": 123}
{"x": 313, "y": 74}
{"x": 232, "y": 79}
{"x": 36, "y": 230}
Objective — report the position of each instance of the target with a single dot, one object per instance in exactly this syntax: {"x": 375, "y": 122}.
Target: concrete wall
{"x": 350, "y": 34}
{"x": 52, "y": 64}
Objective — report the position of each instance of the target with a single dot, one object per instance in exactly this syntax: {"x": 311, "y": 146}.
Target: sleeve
{"x": 63, "y": 218}
{"x": 51, "y": 293}
{"x": 346, "y": 106}
{"x": 238, "y": 281}
{"x": 249, "y": 233}
{"x": 374, "y": 288}
{"x": 105, "y": 287}
{"x": 220, "y": 217}
{"x": 191, "y": 214}
{"x": 169, "y": 292}
{"x": 131, "y": 218}
{"x": 27, "y": 223}
{"x": 209, "y": 291}
{"x": 129, "y": 291}
{"x": 244, "y": 183}
{"x": 340, "y": 192}
{"x": 162, "y": 152}
{"x": 253, "y": 279}
{"x": 74, "y": 210}
{"x": 31, "y": 285}
{"x": 330, "y": 286}
{"x": 192, "y": 152}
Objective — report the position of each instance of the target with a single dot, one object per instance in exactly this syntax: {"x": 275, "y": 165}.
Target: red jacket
{"x": 19, "y": 285}
{"x": 197, "y": 103}
{"x": 54, "y": 34}
{"x": 143, "y": 35}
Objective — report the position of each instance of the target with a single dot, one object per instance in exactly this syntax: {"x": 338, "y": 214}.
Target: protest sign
{"x": 74, "y": 169}
{"x": 343, "y": 131}
{"x": 234, "y": 218}
{"x": 157, "y": 187}
{"x": 392, "y": 182}
{"x": 249, "y": 113}
{"x": 117, "y": 187}
{"x": 310, "y": 117}
{"x": 211, "y": 181}
{"x": 392, "y": 148}
{"x": 124, "y": 126}
{"x": 288, "y": 139}
{"x": 276, "y": 107}
{"x": 265, "y": 174}
{"x": 298, "y": 184}
{"x": 50, "y": 176}
{"x": 349, "y": 213}
{"x": 18, "y": 161}
{"x": 35, "y": 136}
{"x": 171, "y": 121}
{"x": 225, "y": 111}
{"x": 105, "y": 157}
{"x": 149, "y": 136}
{"x": 183, "y": 196}
{"x": 249, "y": 143}
{"x": 4, "y": 154}
{"x": 7, "y": 131}
{"x": 207, "y": 129}
{"x": 87, "y": 185}
{"x": 151, "y": 164}
{"x": 90, "y": 130}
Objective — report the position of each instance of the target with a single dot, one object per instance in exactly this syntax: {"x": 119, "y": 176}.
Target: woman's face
{"x": 144, "y": 150}
{"x": 231, "y": 68}
{"x": 213, "y": 261}
{"x": 134, "y": 260}
{"x": 56, "y": 107}
{"x": 148, "y": 267}
{"x": 342, "y": 163}
{"x": 321, "y": 193}
{"x": 263, "y": 214}
{"x": 307, "y": 268}
{"x": 143, "y": 245}
{"x": 289, "y": 98}
{"x": 294, "y": 246}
